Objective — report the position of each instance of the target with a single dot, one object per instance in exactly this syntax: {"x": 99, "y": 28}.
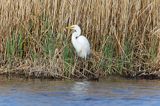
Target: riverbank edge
{"x": 21, "y": 73}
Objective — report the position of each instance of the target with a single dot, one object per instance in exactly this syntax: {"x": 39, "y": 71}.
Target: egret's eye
{"x": 73, "y": 30}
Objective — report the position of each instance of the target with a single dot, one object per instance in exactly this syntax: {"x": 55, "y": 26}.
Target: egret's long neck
{"x": 75, "y": 36}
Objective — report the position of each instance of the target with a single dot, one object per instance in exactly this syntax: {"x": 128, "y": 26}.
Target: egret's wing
{"x": 84, "y": 42}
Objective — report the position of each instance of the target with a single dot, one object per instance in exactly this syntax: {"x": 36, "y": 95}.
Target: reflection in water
{"x": 69, "y": 93}
{"x": 80, "y": 87}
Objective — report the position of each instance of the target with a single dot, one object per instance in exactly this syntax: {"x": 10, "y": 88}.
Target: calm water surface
{"x": 111, "y": 92}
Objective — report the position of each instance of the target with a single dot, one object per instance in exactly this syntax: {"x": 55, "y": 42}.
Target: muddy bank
{"x": 34, "y": 72}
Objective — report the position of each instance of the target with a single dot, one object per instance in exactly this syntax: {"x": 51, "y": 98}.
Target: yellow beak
{"x": 70, "y": 27}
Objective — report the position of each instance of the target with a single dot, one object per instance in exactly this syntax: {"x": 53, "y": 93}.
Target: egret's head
{"x": 76, "y": 28}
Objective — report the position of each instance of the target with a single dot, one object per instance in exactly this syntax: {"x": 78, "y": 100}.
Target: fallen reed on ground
{"x": 124, "y": 37}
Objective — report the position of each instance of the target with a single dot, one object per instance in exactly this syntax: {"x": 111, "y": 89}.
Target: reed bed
{"x": 124, "y": 37}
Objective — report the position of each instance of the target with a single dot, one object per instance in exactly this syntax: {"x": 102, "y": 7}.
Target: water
{"x": 111, "y": 92}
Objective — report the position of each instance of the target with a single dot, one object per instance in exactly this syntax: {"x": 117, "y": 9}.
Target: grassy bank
{"x": 124, "y": 37}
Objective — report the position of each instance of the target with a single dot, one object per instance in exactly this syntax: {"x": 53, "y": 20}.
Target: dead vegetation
{"x": 124, "y": 36}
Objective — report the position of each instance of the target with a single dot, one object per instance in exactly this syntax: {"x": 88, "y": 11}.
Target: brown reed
{"x": 124, "y": 37}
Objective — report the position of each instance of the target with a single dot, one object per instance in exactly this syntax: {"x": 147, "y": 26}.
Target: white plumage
{"x": 80, "y": 42}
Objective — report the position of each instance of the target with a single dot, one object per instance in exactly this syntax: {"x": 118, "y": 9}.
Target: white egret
{"x": 80, "y": 42}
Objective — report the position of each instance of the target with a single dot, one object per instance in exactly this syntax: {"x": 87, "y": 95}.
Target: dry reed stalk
{"x": 127, "y": 29}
